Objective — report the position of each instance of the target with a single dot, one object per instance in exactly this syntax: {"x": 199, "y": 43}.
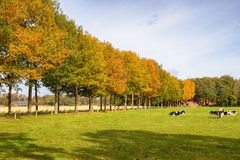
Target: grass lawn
{"x": 122, "y": 135}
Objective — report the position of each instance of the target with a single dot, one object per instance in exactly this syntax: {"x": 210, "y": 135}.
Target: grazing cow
{"x": 177, "y": 113}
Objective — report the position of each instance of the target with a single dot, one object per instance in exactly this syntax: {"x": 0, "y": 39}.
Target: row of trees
{"x": 224, "y": 91}
{"x": 39, "y": 43}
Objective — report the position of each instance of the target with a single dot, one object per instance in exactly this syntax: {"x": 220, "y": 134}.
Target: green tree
{"x": 54, "y": 78}
{"x": 226, "y": 93}
{"x": 135, "y": 83}
{"x": 164, "y": 77}
{"x": 205, "y": 90}
{"x": 174, "y": 90}
{"x": 237, "y": 90}
{"x": 85, "y": 67}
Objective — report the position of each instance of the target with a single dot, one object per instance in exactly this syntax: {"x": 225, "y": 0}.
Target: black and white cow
{"x": 177, "y": 113}
{"x": 230, "y": 113}
{"x": 221, "y": 113}
{"x": 214, "y": 112}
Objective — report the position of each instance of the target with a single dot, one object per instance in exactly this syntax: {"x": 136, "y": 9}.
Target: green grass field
{"x": 122, "y": 135}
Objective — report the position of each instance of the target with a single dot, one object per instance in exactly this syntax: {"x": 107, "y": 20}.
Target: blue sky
{"x": 190, "y": 38}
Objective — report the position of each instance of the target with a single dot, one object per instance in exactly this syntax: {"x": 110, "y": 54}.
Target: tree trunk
{"x": 58, "y": 96}
{"x": 30, "y": 98}
{"x": 110, "y": 102}
{"x": 101, "y": 105}
{"x": 36, "y": 95}
{"x": 139, "y": 101}
{"x": 56, "y": 101}
{"x": 76, "y": 99}
{"x": 105, "y": 103}
{"x": 90, "y": 103}
{"x": 149, "y": 103}
{"x": 9, "y": 98}
{"x": 145, "y": 103}
{"x": 132, "y": 100}
{"x": 114, "y": 102}
{"x": 125, "y": 102}
{"x": 118, "y": 102}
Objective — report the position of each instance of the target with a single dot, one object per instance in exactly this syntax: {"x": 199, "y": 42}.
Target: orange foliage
{"x": 35, "y": 37}
{"x": 135, "y": 77}
{"x": 152, "y": 77}
{"x": 115, "y": 70}
{"x": 188, "y": 89}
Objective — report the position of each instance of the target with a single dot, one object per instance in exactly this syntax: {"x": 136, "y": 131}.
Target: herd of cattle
{"x": 220, "y": 113}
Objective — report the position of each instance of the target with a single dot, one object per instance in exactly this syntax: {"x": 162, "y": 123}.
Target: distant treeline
{"x": 224, "y": 91}
{"x": 39, "y": 44}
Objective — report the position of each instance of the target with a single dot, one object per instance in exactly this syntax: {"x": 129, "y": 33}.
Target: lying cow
{"x": 230, "y": 113}
{"x": 214, "y": 112}
{"x": 177, "y": 113}
{"x": 221, "y": 113}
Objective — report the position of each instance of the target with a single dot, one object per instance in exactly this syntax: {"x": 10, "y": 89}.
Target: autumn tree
{"x": 188, "y": 90}
{"x": 10, "y": 67}
{"x": 116, "y": 76}
{"x": 37, "y": 39}
{"x": 163, "y": 94}
{"x": 174, "y": 90}
{"x": 135, "y": 81}
{"x": 152, "y": 75}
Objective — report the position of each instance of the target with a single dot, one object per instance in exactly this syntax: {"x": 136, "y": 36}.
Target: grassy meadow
{"x": 122, "y": 135}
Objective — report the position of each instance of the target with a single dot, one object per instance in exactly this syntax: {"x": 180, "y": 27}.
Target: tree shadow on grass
{"x": 137, "y": 145}
{"x": 18, "y": 146}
